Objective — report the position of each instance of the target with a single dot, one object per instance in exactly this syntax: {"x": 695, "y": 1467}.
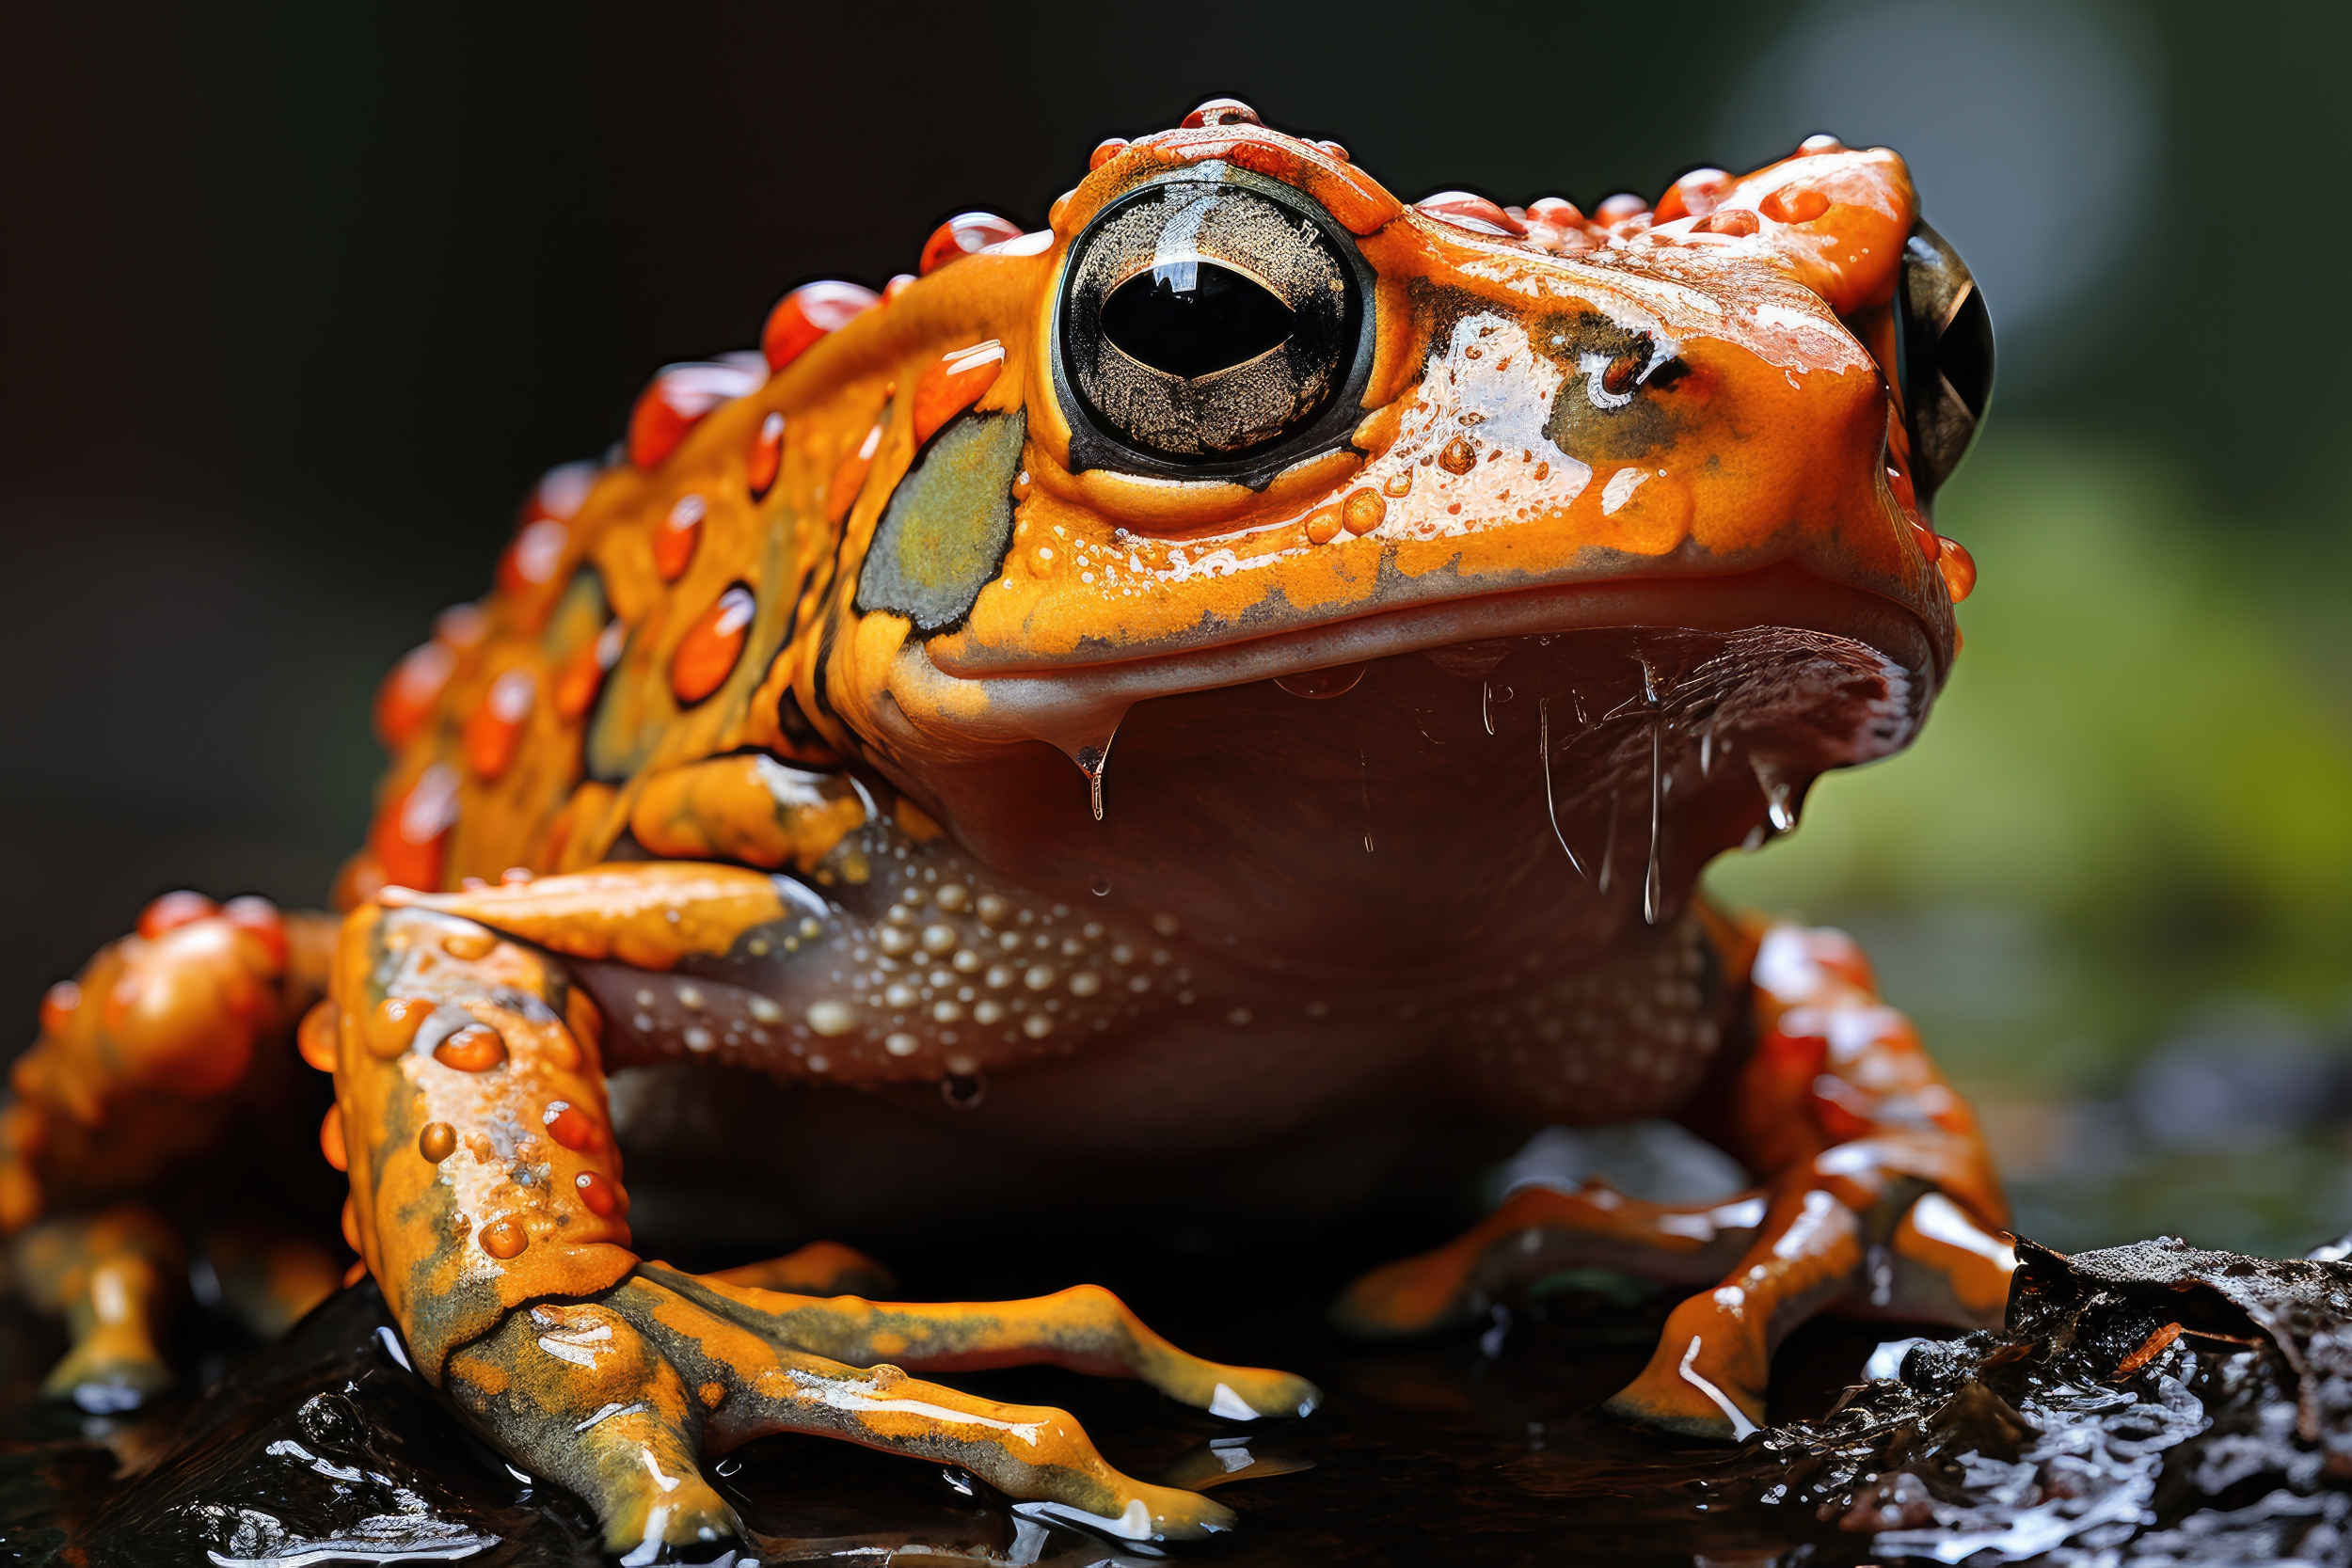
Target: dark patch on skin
{"x": 607, "y": 755}
{"x": 820, "y": 677}
{"x": 579, "y": 615}
{"x": 1610, "y": 409}
{"x": 944, "y": 534}
{"x": 793, "y": 723}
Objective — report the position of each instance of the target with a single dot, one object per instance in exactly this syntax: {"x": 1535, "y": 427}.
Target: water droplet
{"x": 1778, "y": 805}
{"x": 1093, "y": 760}
{"x": 1101, "y": 886}
{"x": 1653, "y": 885}
{"x": 1321, "y": 684}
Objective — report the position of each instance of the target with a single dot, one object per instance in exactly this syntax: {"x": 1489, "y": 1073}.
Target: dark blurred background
{"x": 299, "y": 298}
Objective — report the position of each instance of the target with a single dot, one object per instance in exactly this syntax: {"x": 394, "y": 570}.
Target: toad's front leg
{"x": 1877, "y": 1196}
{"x": 486, "y": 1199}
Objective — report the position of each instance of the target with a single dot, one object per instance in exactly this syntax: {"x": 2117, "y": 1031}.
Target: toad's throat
{"x": 1475, "y": 791}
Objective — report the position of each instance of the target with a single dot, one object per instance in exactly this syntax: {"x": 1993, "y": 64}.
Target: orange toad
{"x": 1423, "y": 595}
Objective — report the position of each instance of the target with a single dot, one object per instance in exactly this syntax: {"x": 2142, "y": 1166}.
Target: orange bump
{"x": 807, "y": 313}
{"x": 468, "y": 942}
{"x": 603, "y": 1197}
{"x": 1104, "y": 150}
{"x": 568, "y": 1125}
{"x": 676, "y": 400}
{"x": 1736, "y": 222}
{"x": 707, "y": 655}
{"x": 562, "y": 491}
{"x": 1695, "y": 195}
{"x": 674, "y": 542}
{"x": 257, "y": 918}
{"x": 1468, "y": 210}
{"x": 1362, "y": 511}
{"x": 412, "y": 826}
{"x": 764, "y": 457}
{"x": 1323, "y": 524}
{"x": 315, "y": 1037}
{"x": 173, "y": 910}
{"x": 392, "y": 1026}
{"x": 954, "y": 384}
{"x": 437, "y": 1142}
{"x": 1794, "y": 204}
{"x": 1617, "y": 208}
{"x": 534, "y": 555}
{"x": 331, "y": 1138}
{"x": 407, "y": 698}
{"x": 351, "y": 1226}
{"x": 503, "y": 1239}
{"x": 476, "y": 1047}
{"x": 1221, "y": 111}
{"x": 494, "y": 729}
{"x": 582, "y": 675}
{"x": 58, "y": 1005}
{"x": 963, "y": 234}
{"x": 461, "y": 626}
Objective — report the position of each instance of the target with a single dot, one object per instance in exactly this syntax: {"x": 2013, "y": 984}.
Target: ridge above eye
{"x": 1193, "y": 316}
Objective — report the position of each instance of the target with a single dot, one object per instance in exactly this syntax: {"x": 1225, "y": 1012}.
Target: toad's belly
{"x": 1225, "y": 1119}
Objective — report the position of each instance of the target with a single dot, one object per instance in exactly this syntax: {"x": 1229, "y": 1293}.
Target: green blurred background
{"x": 300, "y": 298}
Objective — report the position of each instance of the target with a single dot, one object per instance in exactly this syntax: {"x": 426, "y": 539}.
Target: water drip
{"x": 1552, "y": 807}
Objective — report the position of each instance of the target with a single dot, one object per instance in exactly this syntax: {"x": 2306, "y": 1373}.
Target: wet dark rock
{"x": 2146, "y": 1404}
{"x": 2154, "y": 1402}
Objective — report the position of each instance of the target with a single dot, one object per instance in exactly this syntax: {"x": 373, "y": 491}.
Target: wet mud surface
{"x": 2152, "y": 1405}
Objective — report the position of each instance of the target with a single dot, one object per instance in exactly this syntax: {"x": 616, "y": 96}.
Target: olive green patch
{"x": 944, "y": 535}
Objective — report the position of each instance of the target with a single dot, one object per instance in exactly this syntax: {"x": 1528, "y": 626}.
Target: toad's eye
{"x": 1943, "y": 357}
{"x": 1194, "y": 320}
{"x": 1210, "y": 326}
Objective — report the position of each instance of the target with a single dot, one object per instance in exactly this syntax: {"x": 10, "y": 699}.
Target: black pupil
{"x": 1966, "y": 353}
{"x": 1218, "y": 318}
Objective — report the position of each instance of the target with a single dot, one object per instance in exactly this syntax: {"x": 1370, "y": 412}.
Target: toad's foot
{"x": 1538, "y": 1232}
{"x": 113, "y": 1277}
{"x": 620, "y": 1397}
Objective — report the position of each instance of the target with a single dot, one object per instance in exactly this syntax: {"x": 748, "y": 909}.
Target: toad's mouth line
{"x": 1078, "y": 707}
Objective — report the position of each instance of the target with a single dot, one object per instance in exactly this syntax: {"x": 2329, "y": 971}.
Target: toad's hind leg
{"x": 1878, "y": 1198}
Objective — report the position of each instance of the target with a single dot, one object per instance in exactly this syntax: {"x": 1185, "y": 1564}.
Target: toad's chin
{"x": 1380, "y": 797}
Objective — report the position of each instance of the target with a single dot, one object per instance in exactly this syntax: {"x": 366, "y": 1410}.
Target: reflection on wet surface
{"x": 2152, "y": 1405}
{"x": 1482, "y": 1447}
